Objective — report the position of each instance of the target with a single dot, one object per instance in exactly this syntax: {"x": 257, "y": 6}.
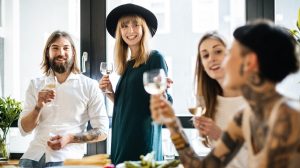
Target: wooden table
{"x": 10, "y": 164}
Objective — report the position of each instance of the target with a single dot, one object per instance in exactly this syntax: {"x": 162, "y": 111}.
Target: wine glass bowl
{"x": 106, "y": 68}
{"x": 50, "y": 83}
{"x": 155, "y": 81}
{"x": 197, "y": 111}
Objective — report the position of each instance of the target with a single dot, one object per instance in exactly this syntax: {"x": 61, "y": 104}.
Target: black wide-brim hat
{"x": 127, "y": 10}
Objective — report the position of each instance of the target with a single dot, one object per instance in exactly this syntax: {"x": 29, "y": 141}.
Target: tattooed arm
{"x": 226, "y": 148}
{"x": 58, "y": 142}
{"x": 224, "y": 152}
{"x": 283, "y": 148}
{"x": 93, "y": 135}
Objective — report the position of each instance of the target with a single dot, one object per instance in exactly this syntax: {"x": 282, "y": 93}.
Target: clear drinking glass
{"x": 168, "y": 150}
{"x": 155, "y": 83}
{"x": 50, "y": 84}
{"x": 195, "y": 109}
{"x": 106, "y": 68}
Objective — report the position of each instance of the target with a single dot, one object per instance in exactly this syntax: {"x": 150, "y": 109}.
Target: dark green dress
{"x": 132, "y": 132}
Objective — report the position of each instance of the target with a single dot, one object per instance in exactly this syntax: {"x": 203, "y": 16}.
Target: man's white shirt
{"x": 78, "y": 100}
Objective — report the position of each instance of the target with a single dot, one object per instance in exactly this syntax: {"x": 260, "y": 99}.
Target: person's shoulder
{"x": 86, "y": 79}
{"x": 289, "y": 112}
{"x": 37, "y": 79}
{"x": 155, "y": 53}
{"x": 291, "y": 106}
{"x": 155, "y": 56}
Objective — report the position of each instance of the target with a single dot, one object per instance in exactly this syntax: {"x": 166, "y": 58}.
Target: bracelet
{"x": 36, "y": 108}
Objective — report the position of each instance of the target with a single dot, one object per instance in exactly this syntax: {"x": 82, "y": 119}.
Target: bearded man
{"x": 58, "y": 111}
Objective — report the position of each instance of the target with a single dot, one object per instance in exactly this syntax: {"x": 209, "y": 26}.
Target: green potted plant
{"x": 10, "y": 110}
{"x": 296, "y": 32}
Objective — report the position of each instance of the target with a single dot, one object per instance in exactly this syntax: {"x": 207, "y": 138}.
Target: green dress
{"x": 133, "y": 133}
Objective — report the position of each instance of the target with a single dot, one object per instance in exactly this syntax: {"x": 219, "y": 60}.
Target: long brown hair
{"x": 53, "y": 37}
{"x": 121, "y": 48}
{"x": 206, "y": 87}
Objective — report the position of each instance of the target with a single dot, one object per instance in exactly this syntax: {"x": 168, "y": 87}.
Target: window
{"x": 286, "y": 14}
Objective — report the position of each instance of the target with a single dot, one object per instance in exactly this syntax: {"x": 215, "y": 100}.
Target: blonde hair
{"x": 121, "y": 48}
{"x": 52, "y": 38}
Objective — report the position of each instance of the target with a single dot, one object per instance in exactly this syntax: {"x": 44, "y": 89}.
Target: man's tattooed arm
{"x": 225, "y": 150}
{"x": 93, "y": 135}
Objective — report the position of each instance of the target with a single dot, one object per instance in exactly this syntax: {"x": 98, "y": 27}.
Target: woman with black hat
{"x": 132, "y": 132}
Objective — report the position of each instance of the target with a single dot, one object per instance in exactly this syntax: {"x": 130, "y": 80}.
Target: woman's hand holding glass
{"x": 105, "y": 84}
{"x": 106, "y": 69}
{"x": 207, "y": 127}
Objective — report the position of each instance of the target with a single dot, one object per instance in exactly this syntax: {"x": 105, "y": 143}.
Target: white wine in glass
{"x": 197, "y": 111}
{"x": 155, "y": 83}
{"x": 106, "y": 68}
{"x": 50, "y": 84}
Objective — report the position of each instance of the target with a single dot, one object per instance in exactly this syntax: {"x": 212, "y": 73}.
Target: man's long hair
{"x": 46, "y": 60}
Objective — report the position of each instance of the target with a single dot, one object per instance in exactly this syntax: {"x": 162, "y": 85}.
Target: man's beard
{"x": 60, "y": 67}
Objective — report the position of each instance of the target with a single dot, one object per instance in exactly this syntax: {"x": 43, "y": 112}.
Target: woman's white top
{"x": 226, "y": 108}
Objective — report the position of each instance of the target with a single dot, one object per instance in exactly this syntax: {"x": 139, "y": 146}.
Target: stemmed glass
{"x": 106, "y": 68}
{"x": 155, "y": 83}
{"x": 50, "y": 84}
{"x": 196, "y": 110}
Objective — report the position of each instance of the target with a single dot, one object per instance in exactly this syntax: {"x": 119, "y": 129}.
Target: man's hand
{"x": 45, "y": 96}
{"x": 58, "y": 142}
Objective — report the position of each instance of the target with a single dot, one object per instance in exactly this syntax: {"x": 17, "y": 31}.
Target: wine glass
{"x": 50, "y": 84}
{"x": 196, "y": 110}
{"x": 155, "y": 83}
{"x": 106, "y": 68}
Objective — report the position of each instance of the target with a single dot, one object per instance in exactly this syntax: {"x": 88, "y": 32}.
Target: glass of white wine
{"x": 106, "y": 68}
{"x": 50, "y": 84}
{"x": 155, "y": 83}
{"x": 196, "y": 110}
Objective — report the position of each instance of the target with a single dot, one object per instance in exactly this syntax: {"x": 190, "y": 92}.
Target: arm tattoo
{"x": 89, "y": 136}
{"x": 238, "y": 118}
{"x": 190, "y": 159}
{"x": 285, "y": 142}
{"x": 234, "y": 147}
